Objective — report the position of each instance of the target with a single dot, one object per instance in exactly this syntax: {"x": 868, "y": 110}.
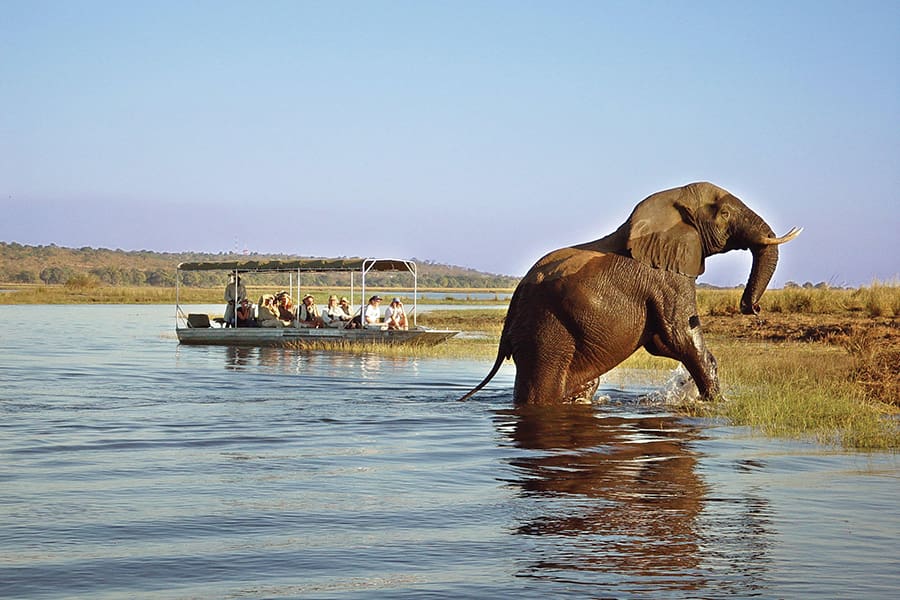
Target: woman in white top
{"x": 373, "y": 310}
{"x": 394, "y": 315}
{"x": 334, "y": 315}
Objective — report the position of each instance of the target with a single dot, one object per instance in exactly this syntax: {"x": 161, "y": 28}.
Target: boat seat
{"x": 198, "y": 321}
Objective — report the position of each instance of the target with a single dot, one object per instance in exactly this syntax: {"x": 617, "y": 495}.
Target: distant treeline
{"x": 57, "y": 265}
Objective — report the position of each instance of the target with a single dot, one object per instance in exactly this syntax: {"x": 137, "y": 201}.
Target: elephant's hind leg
{"x": 543, "y": 375}
{"x": 539, "y": 382}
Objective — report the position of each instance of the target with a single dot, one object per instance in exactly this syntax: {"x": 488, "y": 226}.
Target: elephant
{"x": 582, "y": 310}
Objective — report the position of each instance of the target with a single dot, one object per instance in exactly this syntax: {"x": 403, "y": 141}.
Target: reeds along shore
{"x": 821, "y": 363}
{"x": 876, "y": 300}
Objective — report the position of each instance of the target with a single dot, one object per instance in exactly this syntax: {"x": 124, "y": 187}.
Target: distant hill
{"x": 57, "y": 265}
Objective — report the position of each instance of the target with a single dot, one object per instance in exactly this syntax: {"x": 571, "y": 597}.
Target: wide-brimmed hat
{"x": 308, "y": 296}
{"x": 376, "y": 299}
{"x": 396, "y": 301}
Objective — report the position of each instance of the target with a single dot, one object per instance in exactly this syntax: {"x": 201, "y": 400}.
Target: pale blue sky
{"x": 495, "y": 131}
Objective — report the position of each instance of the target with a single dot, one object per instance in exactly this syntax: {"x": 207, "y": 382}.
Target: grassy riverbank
{"x": 821, "y": 363}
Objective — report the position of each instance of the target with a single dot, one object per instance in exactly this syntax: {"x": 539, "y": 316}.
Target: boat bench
{"x": 198, "y": 321}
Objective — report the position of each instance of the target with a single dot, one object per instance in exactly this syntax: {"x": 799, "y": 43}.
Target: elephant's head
{"x": 677, "y": 229}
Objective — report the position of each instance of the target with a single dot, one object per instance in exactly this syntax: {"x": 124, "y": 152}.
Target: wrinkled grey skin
{"x": 582, "y": 310}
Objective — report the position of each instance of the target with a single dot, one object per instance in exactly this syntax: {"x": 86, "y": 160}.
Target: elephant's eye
{"x": 725, "y": 214}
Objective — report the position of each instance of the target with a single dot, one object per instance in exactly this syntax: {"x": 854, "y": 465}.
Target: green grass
{"x": 801, "y": 390}
{"x": 831, "y": 413}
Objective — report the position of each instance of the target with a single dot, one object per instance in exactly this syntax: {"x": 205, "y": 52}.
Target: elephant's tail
{"x": 501, "y": 356}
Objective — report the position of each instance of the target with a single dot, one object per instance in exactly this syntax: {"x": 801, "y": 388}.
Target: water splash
{"x": 679, "y": 390}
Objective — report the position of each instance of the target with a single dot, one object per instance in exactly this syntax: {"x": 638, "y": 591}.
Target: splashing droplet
{"x": 679, "y": 389}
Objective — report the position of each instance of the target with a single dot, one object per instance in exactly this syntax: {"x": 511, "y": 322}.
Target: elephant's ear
{"x": 662, "y": 234}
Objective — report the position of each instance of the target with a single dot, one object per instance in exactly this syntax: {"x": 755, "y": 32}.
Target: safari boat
{"x": 203, "y": 328}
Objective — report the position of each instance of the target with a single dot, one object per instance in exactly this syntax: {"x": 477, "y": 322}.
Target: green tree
{"x": 54, "y": 275}
{"x": 25, "y": 277}
{"x": 160, "y": 278}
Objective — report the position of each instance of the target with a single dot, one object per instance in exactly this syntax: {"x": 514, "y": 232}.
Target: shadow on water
{"x": 614, "y": 500}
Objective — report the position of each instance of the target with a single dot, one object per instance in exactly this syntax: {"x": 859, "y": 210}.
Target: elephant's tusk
{"x": 794, "y": 232}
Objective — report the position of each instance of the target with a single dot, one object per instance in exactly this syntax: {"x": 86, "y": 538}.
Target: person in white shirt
{"x": 373, "y": 310}
{"x": 394, "y": 315}
{"x": 334, "y": 315}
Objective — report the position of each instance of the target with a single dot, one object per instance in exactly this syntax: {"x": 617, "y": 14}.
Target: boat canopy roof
{"x": 304, "y": 264}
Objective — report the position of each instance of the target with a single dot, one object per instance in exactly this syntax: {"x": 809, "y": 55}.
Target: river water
{"x": 133, "y": 467}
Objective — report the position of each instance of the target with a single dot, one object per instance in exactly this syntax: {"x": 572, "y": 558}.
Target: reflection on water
{"x": 617, "y": 501}
{"x": 316, "y": 363}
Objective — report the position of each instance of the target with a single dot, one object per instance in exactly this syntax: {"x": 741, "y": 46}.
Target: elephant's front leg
{"x": 702, "y": 364}
{"x": 680, "y": 338}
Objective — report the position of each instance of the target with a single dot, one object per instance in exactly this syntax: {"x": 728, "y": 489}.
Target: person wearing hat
{"x": 234, "y": 293}
{"x": 285, "y": 306}
{"x": 310, "y": 315}
{"x": 345, "y": 305}
{"x": 373, "y": 310}
{"x": 268, "y": 313}
{"x": 334, "y": 315}
{"x": 245, "y": 316}
{"x": 394, "y": 315}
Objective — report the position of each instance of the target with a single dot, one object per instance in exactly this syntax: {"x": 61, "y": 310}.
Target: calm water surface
{"x": 133, "y": 467}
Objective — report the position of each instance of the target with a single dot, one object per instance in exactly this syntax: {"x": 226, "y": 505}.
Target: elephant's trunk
{"x": 765, "y": 258}
{"x": 764, "y": 246}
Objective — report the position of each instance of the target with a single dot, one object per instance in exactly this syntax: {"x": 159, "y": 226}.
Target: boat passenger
{"x": 345, "y": 305}
{"x": 285, "y": 306}
{"x": 372, "y": 314}
{"x": 234, "y": 293}
{"x": 395, "y": 316}
{"x": 334, "y": 315}
{"x": 245, "y": 316}
{"x": 268, "y": 312}
{"x": 373, "y": 310}
{"x": 309, "y": 315}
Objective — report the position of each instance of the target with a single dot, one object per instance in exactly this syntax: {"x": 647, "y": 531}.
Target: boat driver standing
{"x": 234, "y": 293}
